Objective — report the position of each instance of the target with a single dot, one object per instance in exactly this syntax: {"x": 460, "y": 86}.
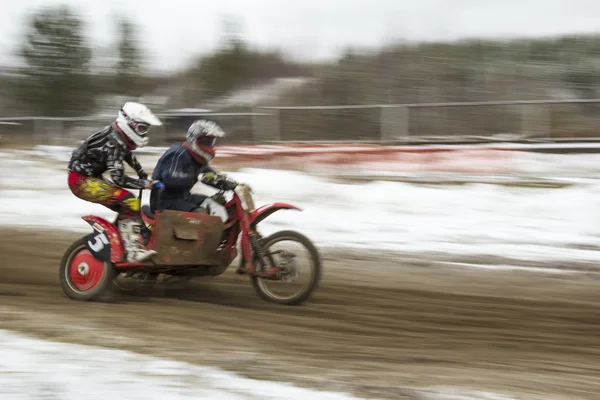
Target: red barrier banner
{"x": 460, "y": 159}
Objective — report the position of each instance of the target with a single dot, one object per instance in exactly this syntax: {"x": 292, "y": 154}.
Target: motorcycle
{"x": 192, "y": 244}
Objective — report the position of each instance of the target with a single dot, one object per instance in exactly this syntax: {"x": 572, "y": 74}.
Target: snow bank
{"x": 36, "y": 369}
{"x": 361, "y": 159}
{"x": 416, "y": 160}
{"x": 536, "y": 223}
{"x": 475, "y": 219}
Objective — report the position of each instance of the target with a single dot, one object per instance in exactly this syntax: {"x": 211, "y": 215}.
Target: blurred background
{"x": 445, "y": 154}
{"x": 394, "y": 72}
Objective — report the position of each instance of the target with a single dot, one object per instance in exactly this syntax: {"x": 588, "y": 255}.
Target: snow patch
{"x": 474, "y": 219}
{"x": 34, "y": 369}
{"x": 464, "y": 394}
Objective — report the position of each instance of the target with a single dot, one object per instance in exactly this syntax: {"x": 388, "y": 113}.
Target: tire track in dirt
{"x": 385, "y": 334}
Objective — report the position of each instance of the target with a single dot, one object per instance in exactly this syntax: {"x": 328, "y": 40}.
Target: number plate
{"x": 99, "y": 245}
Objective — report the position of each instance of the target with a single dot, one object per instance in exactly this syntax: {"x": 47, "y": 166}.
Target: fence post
{"x": 383, "y": 132}
{"x": 546, "y": 114}
{"x": 37, "y": 134}
{"x": 277, "y": 123}
{"x": 255, "y": 125}
{"x": 535, "y": 120}
{"x": 265, "y": 126}
{"x": 394, "y": 123}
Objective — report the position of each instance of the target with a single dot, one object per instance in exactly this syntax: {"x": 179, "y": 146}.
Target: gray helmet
{"x": 201, "y": 139}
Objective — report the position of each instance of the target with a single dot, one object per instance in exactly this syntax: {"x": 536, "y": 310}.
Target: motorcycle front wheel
{"x": 291, "y": 269}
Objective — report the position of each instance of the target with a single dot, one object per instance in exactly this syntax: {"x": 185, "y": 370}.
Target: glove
{"x": 155, "y": 185}
{"x": 218, "y": 180}
{"x": 143, "y": 175}
{"x": 211, "y": 178}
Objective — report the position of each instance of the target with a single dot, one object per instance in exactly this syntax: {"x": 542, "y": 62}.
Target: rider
{"x": 107, "y": 150}
{"x": 181, "y": 165}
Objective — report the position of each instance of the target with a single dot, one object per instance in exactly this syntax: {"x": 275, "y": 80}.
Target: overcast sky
{"x": 174, "y": 31}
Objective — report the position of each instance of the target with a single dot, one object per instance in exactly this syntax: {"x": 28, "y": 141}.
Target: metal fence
{"x": 381, "y": 123}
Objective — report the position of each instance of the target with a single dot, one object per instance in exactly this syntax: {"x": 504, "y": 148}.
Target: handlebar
{"x": 160, "y": 186}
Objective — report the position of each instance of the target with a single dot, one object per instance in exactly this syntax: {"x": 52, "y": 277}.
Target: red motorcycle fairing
{"x": 259, "y": 214}
{"x": 101, "y": 225}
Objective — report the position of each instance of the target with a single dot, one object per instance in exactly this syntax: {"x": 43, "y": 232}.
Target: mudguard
{"x": 105, "y": 242}
{"x": 263, "y": 212}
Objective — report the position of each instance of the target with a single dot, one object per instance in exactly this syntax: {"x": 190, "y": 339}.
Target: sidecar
{"x": 186, "y": 238}
{"x": 185, "y": 241}
{"x": 190, "y": 244}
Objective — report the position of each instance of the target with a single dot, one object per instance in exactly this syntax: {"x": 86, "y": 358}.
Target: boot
{"x": 130, "y": 232}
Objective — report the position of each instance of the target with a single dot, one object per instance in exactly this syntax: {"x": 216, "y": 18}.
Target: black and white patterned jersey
{"x": 105, "y": 151}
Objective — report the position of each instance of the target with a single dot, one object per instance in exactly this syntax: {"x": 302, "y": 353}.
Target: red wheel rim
{"x": 85, "y": 272}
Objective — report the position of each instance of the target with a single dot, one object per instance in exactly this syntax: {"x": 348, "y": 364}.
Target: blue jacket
{"x": 179, "y": 172}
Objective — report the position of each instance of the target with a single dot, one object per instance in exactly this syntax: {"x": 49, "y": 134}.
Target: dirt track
{"x": 388, "y": 334}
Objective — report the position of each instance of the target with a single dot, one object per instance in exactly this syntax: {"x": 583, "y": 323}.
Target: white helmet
{"x": 135, "y": 120}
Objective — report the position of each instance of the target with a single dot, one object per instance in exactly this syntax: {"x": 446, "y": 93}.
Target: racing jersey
{"x": 105, "y": 151}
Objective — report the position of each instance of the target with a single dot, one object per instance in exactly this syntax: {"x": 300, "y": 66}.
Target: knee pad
{"x": 129, "y": 202}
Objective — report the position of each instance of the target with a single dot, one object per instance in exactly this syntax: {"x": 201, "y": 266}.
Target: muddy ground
{"x": 376, "y": 327}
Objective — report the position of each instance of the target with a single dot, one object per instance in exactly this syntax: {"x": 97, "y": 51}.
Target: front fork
{"x": 252, "y": 250}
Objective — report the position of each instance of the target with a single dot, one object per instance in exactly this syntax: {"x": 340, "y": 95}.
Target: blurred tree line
{"x": 58, "y": 78}
{"x": 465, "y": 71}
